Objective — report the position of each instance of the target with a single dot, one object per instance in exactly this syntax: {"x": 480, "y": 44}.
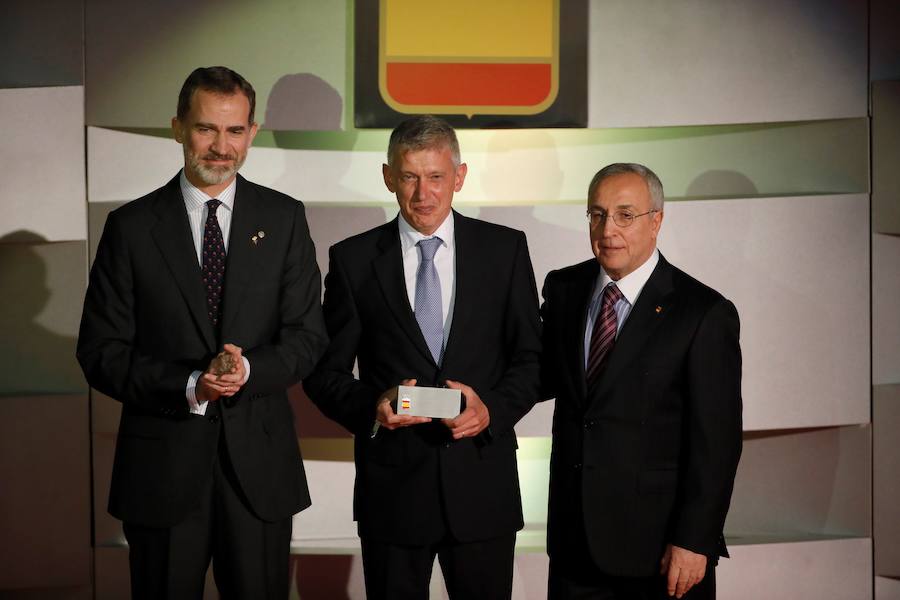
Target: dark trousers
{"x": 574, "y": 576}
{"x": 565, "y": 585}
{"x": 250, "y": 557}
{"x": 479, "y": 570}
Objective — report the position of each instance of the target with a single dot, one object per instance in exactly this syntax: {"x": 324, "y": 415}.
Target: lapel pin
{"x": 658, "y": 309}
{"x": 254, "y": 239}
{"x": 261, "y": 234}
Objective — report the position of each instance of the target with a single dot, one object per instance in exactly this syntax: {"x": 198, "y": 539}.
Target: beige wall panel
{"x": 671, "y": 63}
{"x": 801, "y": 482}
{"x": 45, "y": 504}
{"x": 886, "y": 473}
{"x": 45, "y": 285}
{"x": 839, "y": 569}
{"x": 42, "y": 189}
{"x": 886, "y": 157}
{"x": 885, "y": 314}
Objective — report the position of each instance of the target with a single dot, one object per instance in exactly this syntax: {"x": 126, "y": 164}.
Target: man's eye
{"x": 625, "y": 215}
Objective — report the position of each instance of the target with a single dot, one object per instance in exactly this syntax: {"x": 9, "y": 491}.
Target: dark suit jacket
{"x": 145, "y": 329}
{"x": 647, "y": 456}
{"x": 404, "y": 477}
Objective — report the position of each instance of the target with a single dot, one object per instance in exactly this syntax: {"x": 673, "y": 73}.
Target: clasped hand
{"x": 469, "y": 423}
{"x": 211, "y": 387}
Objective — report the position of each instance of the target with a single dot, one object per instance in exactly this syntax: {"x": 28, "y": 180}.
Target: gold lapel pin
{"x": 658, "y": 309}
{"x": 254, "y": 239}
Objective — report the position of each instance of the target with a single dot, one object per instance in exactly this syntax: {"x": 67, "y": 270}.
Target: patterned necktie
{"x": 428, "y": 299}
{"x": 213, "y": 262}
{"x": 604, "y": 334}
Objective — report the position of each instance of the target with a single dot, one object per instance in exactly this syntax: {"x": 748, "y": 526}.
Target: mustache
{"x": 216, "y": 156}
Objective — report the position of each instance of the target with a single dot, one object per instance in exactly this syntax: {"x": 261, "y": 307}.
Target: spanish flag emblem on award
{"x": 477, "y": 62}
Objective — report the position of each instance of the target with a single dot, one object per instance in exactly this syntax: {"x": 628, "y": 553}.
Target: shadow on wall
{"x": 304, "y": 102}
{"x": 34, "y": 359}
{"x": 314, "y": 165}
{"x": 721, "y": 184}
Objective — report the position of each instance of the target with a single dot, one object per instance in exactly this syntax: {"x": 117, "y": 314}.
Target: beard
{"x": 213, "y": 175}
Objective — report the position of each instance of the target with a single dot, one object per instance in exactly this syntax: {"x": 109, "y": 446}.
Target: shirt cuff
{"x": 196, "y": 408}
{"x": 246, "y": 370}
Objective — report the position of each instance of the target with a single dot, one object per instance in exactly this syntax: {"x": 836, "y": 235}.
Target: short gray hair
{"x": 657, "y": 196}
{"x": 422, "y": 132}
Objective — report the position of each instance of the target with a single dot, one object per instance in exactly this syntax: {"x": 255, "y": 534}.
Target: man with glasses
{"x": 645, "y": 365}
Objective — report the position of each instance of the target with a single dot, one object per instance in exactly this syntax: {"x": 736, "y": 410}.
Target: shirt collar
{"x": 409, "y": 236}
{"x": 632, "y": 284}
{"x": 195, "y": 198}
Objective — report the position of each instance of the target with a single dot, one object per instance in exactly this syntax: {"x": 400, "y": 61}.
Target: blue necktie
{"x": 428, "y": 299}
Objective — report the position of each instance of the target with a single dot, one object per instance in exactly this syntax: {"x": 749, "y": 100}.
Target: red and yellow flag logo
{"x": 469, "y": 57}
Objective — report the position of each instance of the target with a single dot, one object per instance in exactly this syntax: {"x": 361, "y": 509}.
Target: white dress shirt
{"x": 444, "y": 263}
{"x": 195, "y": 203}
{"x": 630, "y": 286}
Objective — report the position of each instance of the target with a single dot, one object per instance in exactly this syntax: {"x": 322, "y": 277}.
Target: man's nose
{"x": 218, "y": 145}
{"x": 608, "y": 226}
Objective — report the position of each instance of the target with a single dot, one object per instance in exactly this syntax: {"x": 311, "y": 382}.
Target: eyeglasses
{"x": 622, "y": 218}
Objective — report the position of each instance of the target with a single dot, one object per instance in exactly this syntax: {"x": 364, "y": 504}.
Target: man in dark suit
{"x": 207, "y": 462}
{"x": 645, "y": 366}
{"x": 432, "y": 297}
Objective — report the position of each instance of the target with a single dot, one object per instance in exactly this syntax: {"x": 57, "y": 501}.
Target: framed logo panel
{"x": 477, "y": 63}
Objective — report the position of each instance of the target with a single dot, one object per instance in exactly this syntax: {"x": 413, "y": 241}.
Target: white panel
{"x": 885, "y": 316}
{"x": 797, "y": 270}
{"x": 887, "y": 588}
{"x": 125, "y": 166}
{"x": 42, "y": 188}
{"x": 819, "y": 570}
{"x": 806, "y": 482}
{"x": 328, "y": 523}
{"x": 667, "y": 63}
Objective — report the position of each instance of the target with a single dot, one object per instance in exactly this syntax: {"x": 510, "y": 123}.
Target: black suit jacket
{"x": 404, "y": 477}
{"x": 145, "y": 329}
{"x": 648, "y": 455}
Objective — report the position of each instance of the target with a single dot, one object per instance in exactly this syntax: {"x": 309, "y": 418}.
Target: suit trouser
{"x": 576, "y": 577}
{"x": 250, "y": 556}
{"x": 477, "y": 570}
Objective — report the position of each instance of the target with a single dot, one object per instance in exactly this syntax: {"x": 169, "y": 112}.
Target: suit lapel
{"x": 645, "y": 317}
{"x": 240, "y": 260}
{"x": 579, "y": 301}
{"x": 465, "y": 284}
{"x": 172, "y": 234}
{"x": 388, "y": 268}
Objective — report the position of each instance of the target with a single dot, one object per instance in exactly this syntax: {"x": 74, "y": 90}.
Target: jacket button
{"x": 214, "y": 419}
{"x": 577, "y": 466}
